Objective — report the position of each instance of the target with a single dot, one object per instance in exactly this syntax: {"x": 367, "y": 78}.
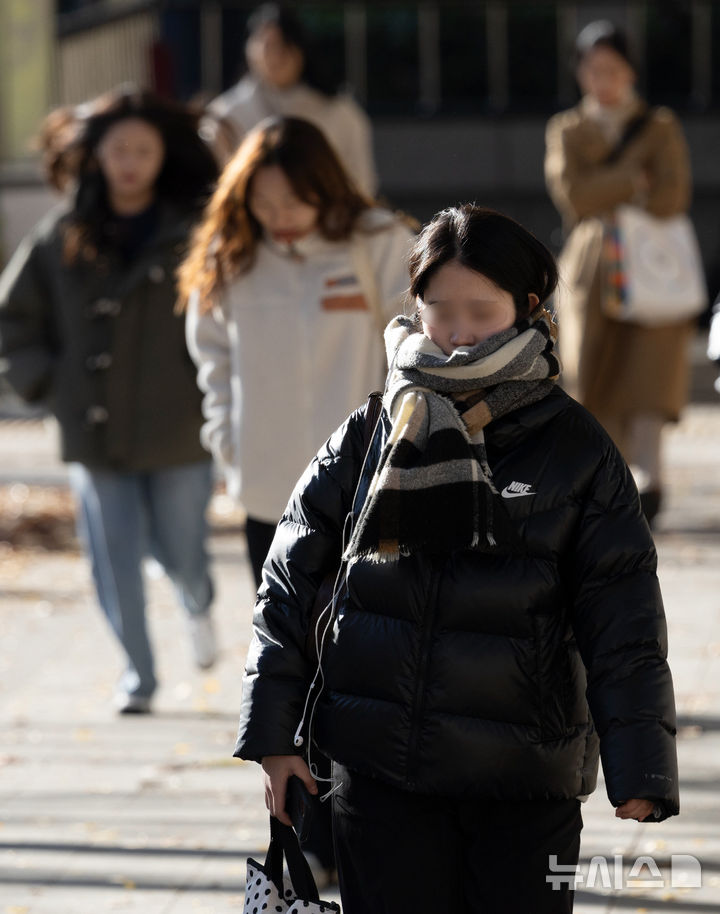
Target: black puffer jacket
{"x": 466, "y": 673}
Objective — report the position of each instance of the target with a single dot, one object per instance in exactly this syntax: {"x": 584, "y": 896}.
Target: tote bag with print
{"x": 653, "y": 272}
{"x": 267, "y": 891}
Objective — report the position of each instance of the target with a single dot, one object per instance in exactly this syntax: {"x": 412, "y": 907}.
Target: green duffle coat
{"x": 101, "y": 343}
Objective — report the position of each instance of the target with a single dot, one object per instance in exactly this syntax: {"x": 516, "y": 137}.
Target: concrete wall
{"x": 428, "y": 164}
{"x": 431, "y": 164}
{"x": 21, "y": 206}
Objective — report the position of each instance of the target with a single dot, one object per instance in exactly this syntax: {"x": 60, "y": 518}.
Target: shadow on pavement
{"x": 143, "y": 851}
{"x": 708, "y": 724}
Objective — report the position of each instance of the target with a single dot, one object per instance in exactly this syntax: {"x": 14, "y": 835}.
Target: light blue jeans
{"x": 122, "y": 517}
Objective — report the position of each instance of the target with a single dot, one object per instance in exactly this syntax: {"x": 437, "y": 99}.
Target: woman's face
{"x": 272, "y": 60}
{"x": 462, "y": 308}
{"x": 606, "y": 76}
{"x": 131, "y": 154}
{"x": 276, "y": 206}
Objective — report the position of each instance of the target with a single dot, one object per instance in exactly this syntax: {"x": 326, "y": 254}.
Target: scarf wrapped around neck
{"x": 433, "y": 488}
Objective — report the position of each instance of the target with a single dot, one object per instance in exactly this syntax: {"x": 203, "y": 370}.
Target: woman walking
{"x": 282, "y": 80}
{"x": 497, "y": 621}
{"x": 87, "y": 324}
{"x": 610, "y": 150}
{"x": 289, "y": 264}
{"x": 290, "y": 276}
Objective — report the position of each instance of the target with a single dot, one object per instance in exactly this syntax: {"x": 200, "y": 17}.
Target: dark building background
{"x": 459, "y": 92}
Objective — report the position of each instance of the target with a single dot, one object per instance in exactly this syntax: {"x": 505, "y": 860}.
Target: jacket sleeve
{"x": 306, "y": 547}
{"x": 668, "y": 168}
{"x": 579, "y": 189}
{"x": 208, "y": 341}
{"x": 619, "y": 625}
{"x": 27, "y": 352}
{"x": 390, "y": 251}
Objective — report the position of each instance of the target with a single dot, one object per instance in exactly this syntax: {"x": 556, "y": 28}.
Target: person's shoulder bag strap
{"x": 633, "y": 128}
{"x": 325, "y": 592}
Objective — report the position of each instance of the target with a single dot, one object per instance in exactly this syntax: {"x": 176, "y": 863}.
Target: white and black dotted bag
{"x": 266, "y": 892}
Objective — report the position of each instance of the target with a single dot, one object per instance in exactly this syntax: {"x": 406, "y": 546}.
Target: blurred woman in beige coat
{"x": 633, "y": 378}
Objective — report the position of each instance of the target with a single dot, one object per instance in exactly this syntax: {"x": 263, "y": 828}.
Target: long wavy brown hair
{"x": 224, "y": 243}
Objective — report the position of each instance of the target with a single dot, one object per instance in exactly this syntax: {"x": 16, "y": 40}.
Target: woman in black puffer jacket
{"x": 499, "y": 617}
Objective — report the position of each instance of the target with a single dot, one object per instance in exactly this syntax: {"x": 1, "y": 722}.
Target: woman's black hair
{"x": 602, "y": 34}
{"x": 489, "y": 243}
{"x": 293, "y": 33}
{"x": 69, "y": 139}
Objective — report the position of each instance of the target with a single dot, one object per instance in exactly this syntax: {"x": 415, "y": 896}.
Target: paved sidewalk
{"x": 107, "y": 814}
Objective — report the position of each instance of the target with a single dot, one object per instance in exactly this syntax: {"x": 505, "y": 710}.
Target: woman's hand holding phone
{"x": 278, "y": 769}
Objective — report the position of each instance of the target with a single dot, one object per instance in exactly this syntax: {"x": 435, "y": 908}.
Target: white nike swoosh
{"x": 506, "y": 494}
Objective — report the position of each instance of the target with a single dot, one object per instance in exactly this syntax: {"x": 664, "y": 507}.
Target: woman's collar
{"x": 627, "y": 108}
{"x": 301, "y": 249}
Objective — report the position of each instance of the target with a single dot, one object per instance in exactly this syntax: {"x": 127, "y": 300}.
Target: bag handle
{"x": 374, "y": 408}
{"x": 327, "y": 586}
{"x": 284, "y": 844}
{"x": 632, "y": 129}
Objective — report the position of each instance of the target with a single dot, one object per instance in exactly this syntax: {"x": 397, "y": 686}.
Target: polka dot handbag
{"x": 266, "y": 892}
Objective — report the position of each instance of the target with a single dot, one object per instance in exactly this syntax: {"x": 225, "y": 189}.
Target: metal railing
{"x": 518, "y": 54}
{"x": 101, "y": 47}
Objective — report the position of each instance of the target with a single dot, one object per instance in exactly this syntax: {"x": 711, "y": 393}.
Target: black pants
{"x": 259, "y": 535}
{"x": 398, "y": 851}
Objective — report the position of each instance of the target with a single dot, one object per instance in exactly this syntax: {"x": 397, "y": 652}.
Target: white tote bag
{"x": 713, "y": 350}
{"x": 655, "y": 272}
{"x": 266, "y": 892}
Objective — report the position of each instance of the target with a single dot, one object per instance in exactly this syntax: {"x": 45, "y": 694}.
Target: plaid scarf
{"x": 433, "y": 488}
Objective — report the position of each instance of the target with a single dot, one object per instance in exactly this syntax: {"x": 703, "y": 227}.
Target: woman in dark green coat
{"x": 88, "y": 324}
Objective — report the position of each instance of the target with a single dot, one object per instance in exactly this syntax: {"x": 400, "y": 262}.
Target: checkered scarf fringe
{"x": 433, "y": 488}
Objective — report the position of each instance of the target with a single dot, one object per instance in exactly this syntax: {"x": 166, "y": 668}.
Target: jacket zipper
{"x": 420, "y": 687}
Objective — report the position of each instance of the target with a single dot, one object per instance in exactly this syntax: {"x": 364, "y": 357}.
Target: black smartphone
{"x": 300, "y": 806}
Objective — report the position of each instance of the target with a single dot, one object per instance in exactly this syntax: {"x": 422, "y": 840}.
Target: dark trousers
{"x": 398, "y": 851}
{"x": 259, "y": 535}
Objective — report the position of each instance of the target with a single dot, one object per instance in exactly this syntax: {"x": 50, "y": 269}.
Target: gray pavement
{"x": 107, "y": 814}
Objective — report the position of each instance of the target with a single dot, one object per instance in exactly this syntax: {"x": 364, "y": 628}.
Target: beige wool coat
{"x": 615, "y": 369}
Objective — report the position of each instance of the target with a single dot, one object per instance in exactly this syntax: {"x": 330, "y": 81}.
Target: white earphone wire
{"x": 311, "y": 700}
